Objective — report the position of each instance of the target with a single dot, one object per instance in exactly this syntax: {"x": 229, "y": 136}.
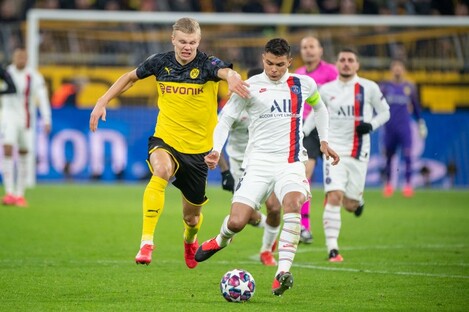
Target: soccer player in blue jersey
{"x": 187, "y": 83}
{"x": 402, "y": 98}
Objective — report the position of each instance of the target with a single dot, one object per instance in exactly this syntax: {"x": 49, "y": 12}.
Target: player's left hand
{"x": 211, "y": 159}
{"x": 329, "y": 152}
{"x": 237, "y": 85}
{"x": 364, "y": 128}
{"x": 99, "y": 112}
{"x": 423, "y": 131}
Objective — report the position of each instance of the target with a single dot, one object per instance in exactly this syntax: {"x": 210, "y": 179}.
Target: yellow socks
{"x": 153, "y": 205}
{"x": 190, "y": 233}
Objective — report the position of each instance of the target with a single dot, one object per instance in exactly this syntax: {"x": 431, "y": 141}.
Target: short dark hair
{"x": 278, "y": 47}
{"x": 349, "y": 50}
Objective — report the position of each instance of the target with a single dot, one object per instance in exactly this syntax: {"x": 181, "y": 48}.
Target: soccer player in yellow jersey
{"x": 187, "y": 82}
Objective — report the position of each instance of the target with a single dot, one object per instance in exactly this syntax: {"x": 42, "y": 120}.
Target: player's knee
{"x": 162, "y": 165}
{"x": 293, "y": 202}
{"x": 335, "y": 198}
{"x": 236, "y": 224}
{"x": 191, "y": 220}
{"x": 273, "y": 205}
{"x": 273, "y": 210}
{"x": 162, "y": 171}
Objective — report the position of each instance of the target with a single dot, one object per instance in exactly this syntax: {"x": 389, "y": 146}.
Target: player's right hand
{"x": 211, "y": 159}
{"x": 329, "y": 152}
{"x": 237, "y": 85}
{"x": 227, "y": 181}
{"x": 99, "y": 112}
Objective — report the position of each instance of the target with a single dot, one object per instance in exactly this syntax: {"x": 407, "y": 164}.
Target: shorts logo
{"x": 328, "y": 180}
{"x": 194, "y": 73}
{"x": 295, "y": 89}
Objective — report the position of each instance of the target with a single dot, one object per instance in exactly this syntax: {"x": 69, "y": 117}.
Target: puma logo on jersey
{"x": 168, "y": 70}
{"x": 262, "y": 90}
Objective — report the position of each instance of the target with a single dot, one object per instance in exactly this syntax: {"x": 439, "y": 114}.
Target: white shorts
{"x": 16, "y": 134}
{"x": 348, "y": 176}
{"x": 236, "y": 170}
{"x": 260, "y": 179}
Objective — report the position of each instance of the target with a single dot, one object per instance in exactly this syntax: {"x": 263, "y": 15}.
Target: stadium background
{"x": 81, "y": 59}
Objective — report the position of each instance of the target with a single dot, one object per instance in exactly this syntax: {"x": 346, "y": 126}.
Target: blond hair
{"x": 187, "y": 25}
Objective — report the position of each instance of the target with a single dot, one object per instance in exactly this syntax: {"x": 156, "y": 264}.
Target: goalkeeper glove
{"x": 423, "y": 131}
{"x": 364, "y": 128}
{"x": 227, "y": 181}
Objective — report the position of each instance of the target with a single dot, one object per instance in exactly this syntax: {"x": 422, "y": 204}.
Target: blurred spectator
{"x": 147, "y": 6}
{"x": 328, "y": 6}
{"x": 184, "y": 5}
{"x": 270, "y": 7}
{"x": 83, "y": 5}
{"x": 112, "y": 5}
{"x": 11, "y": 36}
{"x": 253, "y": 7}
{"x": 348, "y": 7}
{"x": 48, "y": 4}
{"x": 10, "y": 11}
{"x": 307, "y": 7}
{"x": 66, "y": 94}
{"x": 462, "y": 8}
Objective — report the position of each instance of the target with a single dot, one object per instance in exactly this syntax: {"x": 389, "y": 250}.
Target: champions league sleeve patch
{"x": 215, "y": 61}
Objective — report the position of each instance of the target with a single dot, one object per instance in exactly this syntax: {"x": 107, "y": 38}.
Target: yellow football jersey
{"x": 187, "y": 99}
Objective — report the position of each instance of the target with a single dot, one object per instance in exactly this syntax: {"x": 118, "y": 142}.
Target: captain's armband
{"x": 313, "y": 99}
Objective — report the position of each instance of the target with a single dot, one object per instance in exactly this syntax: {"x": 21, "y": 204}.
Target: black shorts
{"x": 191, "y": 171}
{"x": 312, "y": 145}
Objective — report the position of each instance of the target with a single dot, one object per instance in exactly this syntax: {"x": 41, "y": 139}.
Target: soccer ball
{"x": 237, "y": 286}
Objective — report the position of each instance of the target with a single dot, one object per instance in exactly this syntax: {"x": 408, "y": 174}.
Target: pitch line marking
{"x": 379, "y": 272}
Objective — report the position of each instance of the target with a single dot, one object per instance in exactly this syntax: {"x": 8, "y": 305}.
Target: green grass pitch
{"x": 73, "y": 249}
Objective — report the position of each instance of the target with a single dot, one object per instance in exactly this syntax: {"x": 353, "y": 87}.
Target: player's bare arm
{"x": 235, "y": 83}
{"x": 329, "y": 152}
{"x": 121, "y": 85}
{"x": 211, "y": 159}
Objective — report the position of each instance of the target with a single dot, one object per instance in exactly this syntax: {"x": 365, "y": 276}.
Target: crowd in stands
{"x": 13, "y": 12}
